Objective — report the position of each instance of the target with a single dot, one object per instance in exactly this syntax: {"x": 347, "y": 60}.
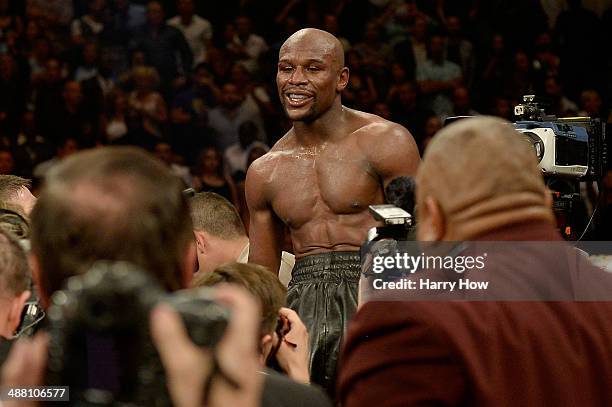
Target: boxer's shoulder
{"x": 374, "y": 131}
{"x": 261, "y": 171}
{"x": 371, "y": 127}
{"x": 385, "y": 143}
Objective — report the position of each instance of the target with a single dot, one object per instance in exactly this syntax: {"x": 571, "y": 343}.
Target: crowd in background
{"x": 194, "y": 81}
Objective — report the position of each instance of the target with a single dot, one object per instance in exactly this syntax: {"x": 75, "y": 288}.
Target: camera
{"x": 571, "y": 147}
{"x": 100, "y": 344}
{"x": 569, "y": 150}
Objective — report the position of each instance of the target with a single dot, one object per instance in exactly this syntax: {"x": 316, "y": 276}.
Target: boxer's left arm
{"x": 265, "y": 230}
{"x": 391, "y": 151}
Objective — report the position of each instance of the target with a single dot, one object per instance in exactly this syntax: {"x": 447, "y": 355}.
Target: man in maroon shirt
{"x": 480, "y": 181}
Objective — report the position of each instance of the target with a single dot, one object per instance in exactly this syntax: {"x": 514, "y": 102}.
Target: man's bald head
{"x": 482, "y": 174}
{"x": 319, "y": 41}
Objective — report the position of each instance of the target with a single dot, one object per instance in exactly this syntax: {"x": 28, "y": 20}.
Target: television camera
{"x": 569, "y": 150}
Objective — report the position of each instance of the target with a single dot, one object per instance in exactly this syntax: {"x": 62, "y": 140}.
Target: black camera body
{"x": 100, "y": 343}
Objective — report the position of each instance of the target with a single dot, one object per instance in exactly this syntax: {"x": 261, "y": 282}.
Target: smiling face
{"x": 311, "y": 74}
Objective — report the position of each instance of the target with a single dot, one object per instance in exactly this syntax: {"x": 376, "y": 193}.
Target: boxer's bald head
{"x": 477, "y": 175}
{"x": 311, "y": 74}
{"x": 317, "y": 41}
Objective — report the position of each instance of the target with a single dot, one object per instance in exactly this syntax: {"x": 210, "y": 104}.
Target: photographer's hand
{"x": 189, "y": 367}
{"x": 25, "y": 367}
{"x": 294, "y": 353}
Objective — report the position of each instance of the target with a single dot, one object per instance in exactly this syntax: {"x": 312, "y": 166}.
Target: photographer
{"x": 14, "y": 284}
{"x": 187, "y": 366}
{"x": 116, "y": 204}
{"x": 284, "y": 338}
{"x": 16, "y": 203}
{"x": 15, "y": 191}
{"x": 283, "y": 335}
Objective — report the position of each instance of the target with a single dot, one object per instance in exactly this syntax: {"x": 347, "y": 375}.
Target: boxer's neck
{"x": 328, "y": 126}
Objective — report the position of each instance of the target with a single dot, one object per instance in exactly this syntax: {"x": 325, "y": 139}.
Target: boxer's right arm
{"x": 265, "y": 230}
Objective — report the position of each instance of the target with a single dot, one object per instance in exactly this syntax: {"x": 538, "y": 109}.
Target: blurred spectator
{"x": 438, "y": 77}
{"x": 256, "y": 97}
{"x": 519, "y": 80}
{"x": 66, "y": 147}
{"x": 211, "y": 176}
{"x": 246, "y": 46}
{"x": 164, "y": 47}
{"x": 116, "y": 116}
{"x": 373, "y": 50}
{"x": 32, "y": 32}
{"x": 163, "y": 151}
{"x": 288, "y": 27}
{"x": 419, "y": 40}
{"x": 71, "y": 118}
{"x": 53, "y": 12}
{"x": 146, "y": 101}
{"x": 10, "y": 20}
{"x": 129, "y": 17}
{"x": 462, "y": 105}
{"x": 561, "y": 105}
{"x": 460, "y": 50}
{"x": 330, "y": 24}
{"x": 361, "y": 90}
{"x": 397, "y": 19}
{"x": 188, "y": 113}
{"x": 126, "y": 20}
{"x": 397, "y": 78}
{"x": 406, "y": 111}
{"x": 381, "y": 109}
{"x": 7, "y": 161}
{"x": 502, "y": 108}
{"x": 578, "y": 34}
{"x": 236, "y": 155}
{"x": 431, "y": 126}
{"x": 89, "y": 62}
{"x": 232, "y": 111}
{"x": 196, "y": 30}
{"x": 13, "y": 91}
{"x": 46, "y": 94}
{"x": 494, "y": 66}
{"x": 89, "y": 26}
{"x": 545, "y": 61}
{"x": 39, "y": 55}
{"x": 591, "y": 105}
{"x": 30, "y": 147}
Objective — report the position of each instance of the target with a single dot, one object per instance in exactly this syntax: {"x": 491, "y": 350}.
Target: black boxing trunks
{"x": 323, "y": 291}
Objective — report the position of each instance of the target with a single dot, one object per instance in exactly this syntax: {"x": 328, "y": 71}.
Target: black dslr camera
{"x": 100, "y": 343}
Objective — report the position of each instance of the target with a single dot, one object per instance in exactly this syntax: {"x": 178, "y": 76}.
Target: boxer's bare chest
{"x": 321, "y": 183}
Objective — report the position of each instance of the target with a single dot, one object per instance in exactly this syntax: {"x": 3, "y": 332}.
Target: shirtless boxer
{"x": 319, "y": 180}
